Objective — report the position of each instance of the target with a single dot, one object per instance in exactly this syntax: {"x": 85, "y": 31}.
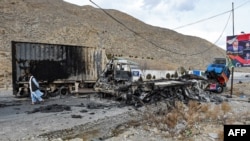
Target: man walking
{"x": 35, "y": 93}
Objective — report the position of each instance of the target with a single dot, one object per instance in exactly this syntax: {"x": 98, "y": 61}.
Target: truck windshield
{"x": 219, "y": 61}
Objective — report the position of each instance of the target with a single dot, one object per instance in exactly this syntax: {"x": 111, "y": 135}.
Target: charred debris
{"x": 117, "y": 80}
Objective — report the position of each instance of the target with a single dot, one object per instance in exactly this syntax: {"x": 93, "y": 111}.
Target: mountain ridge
{"x": 59, "y": 22}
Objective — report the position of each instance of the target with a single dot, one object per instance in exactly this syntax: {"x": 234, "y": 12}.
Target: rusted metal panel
{"x": 53, "y": 62}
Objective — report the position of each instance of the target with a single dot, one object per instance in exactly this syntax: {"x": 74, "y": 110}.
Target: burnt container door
{"x": 47, "y": 62}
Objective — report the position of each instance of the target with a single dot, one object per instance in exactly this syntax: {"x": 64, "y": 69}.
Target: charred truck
{"x": 60, "y": 69}
{"x": 117, "y": 80}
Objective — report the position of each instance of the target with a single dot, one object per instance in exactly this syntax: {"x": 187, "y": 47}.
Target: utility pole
{"x": 233, "y": 16}
{"x": 232, "y": 77}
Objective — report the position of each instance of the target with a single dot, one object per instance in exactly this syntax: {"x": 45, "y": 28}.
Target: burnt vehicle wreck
{"x": 116, "y": 80}
{"x": 59, "y": 68}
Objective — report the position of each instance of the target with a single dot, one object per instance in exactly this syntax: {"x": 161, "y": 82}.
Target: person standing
{"x": 35, "y": 93}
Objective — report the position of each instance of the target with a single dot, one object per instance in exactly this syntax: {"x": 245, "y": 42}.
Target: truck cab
{"x": 218, "y": 75}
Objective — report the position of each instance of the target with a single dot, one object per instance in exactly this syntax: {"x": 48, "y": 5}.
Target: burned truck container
{"x": 59, "y": 68}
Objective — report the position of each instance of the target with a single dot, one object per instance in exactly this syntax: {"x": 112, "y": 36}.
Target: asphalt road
{"x": 19, "y": 120}
{"x": 239, "y": 77}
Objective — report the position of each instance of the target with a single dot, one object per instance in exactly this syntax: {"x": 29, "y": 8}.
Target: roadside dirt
{"x": 89, "y": 117}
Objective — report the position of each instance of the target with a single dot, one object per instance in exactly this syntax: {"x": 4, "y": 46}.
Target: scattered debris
{"x": 76, "y": 116}
{"x": 81, "y": 105}
{"x": 96, "y": 106}
{"x": 83, "y": 111}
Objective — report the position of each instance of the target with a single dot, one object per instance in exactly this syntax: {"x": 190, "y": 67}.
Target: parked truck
{"x": 60, "y": 69}
{"x": 217, "y": 74}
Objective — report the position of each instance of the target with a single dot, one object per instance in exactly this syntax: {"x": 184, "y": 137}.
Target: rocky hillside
{"x": 63, "y": 23}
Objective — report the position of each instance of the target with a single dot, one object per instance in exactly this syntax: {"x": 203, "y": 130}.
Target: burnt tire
{"x": 219, "y": 89}
{"x": 64, "y": 91}
{"x": 54, "y": 93}
{"x": 23, "y": 93}
{"x": 45, "y": 94}
{"x": 81, "y": 85}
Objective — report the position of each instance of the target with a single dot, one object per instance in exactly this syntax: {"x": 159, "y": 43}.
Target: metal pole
{"x": 232, "y": 79}
{"x": 232, "y": 67}
{"x": 233, "y": 16}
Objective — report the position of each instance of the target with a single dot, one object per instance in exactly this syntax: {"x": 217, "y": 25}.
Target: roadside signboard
{"x": 238, "y": 50}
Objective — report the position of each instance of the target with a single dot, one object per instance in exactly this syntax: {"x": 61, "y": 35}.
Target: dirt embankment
{"x": 5, "y": 71}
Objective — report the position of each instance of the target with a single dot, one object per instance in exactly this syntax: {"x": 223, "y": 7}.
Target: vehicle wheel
{"x": 219, "y": 89}
{"x": 23, "y": 93}
{"x": 54, "y": 93}
{"x": 81, "y": 85}
{"x": 45, "y": 94}
{"x": 63, "y": 91}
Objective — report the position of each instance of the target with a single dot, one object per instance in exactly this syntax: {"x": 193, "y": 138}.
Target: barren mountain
{"x": 120, "y": 34}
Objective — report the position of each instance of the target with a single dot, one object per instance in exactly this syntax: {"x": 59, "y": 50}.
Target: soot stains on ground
{"x": 76, "y": 116}
{"x": 51, "y": 108}
{"x": 9, "y": 104}
{"x": 93, "y": 105}
{"x": 96, "y": 106}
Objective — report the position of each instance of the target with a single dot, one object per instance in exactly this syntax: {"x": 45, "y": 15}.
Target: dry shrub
{"x": 245, "y": 116}
{"x": 236, "y": 91}
{"x": 230, "y": 120}
{"x": 213, "y": 112}
{"x": 204, "y": 108}
{"x": 225, "y": 107}
{"x": 89, "y": 135}
{"x": 179, "y": 106}
{"x": 151, "y": 117}
{"x": 171, "y": 119}
{"x": 238, "y": 117}
{"x": 133, "y": 123}
{"x": 146, "y": 127}
{"x": 192, "y": 115}
{"x": 191, "y": 119}
{"x": 221, "y": 135}
{"x": 193, "y": 105}
{"x": 179, "y": 109}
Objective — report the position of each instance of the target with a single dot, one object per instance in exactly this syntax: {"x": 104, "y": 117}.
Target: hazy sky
{"x": 207, "y": 19}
